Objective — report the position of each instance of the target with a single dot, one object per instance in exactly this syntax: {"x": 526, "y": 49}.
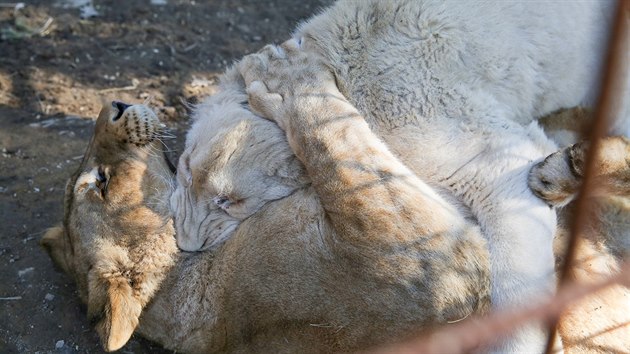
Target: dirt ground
{"x": 58, "y": 60}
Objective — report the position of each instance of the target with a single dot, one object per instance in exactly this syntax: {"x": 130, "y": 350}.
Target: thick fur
{"x": 451, "y": 88}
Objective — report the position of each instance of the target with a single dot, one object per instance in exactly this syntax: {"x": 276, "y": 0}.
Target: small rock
{"x": 25, "y": 271}
{"x": 60, "y": 344}
{"x": 49, "y": 297}
{"x": 88, "y": 11}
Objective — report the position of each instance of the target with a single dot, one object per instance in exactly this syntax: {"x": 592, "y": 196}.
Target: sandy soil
{"x": 57, "y": 63}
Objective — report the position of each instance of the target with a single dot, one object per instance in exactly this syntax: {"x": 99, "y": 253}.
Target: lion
{"x": 453, "y": 90}
{"x": 118, "y": 194}
{"x": 308, "y": 272}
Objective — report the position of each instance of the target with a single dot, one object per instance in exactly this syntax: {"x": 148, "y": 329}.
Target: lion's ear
{"x": 114, "y": 309}
{"x": 55, "y": 244}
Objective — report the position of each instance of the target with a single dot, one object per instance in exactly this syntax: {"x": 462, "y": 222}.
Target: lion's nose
{"x": 120, "y": 107}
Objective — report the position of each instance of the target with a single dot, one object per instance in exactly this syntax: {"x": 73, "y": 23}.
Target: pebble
{"x": 49, "y": 297}
{"x": 25, "y": 271}
{"x": 59, "y": 344}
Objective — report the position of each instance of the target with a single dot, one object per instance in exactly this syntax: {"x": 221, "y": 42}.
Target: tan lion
{"x": 314, "y": 271}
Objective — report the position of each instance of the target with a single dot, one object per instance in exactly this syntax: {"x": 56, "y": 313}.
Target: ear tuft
{"x": 118, "y": 313}
{"x": 54, "y": 243}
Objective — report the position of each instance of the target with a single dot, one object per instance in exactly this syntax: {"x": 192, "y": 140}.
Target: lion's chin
{"x": 205, "y": 238}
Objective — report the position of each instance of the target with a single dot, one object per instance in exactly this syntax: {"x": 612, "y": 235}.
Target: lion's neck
{"x": 182, "y": 314}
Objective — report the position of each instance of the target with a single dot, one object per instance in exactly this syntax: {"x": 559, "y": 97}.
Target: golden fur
{"x": 115, "y": 239}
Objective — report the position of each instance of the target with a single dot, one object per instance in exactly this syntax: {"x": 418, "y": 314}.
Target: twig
{"x": 604, "y": 110}
{"x": 189, "y": 48}
{"x": 10, "y": 298}
{"x": 133, "y": 86}
{"x": 45, "y": 29}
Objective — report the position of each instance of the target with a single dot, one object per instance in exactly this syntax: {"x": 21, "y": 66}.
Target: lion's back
{"x": 398, "y": 61}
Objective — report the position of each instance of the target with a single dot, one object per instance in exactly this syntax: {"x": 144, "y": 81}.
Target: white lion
{"x": 451, "y": 88}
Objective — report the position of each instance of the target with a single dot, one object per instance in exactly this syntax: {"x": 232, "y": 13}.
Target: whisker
{"x": 164, "y": 135}
{"x": 147, "y": 101}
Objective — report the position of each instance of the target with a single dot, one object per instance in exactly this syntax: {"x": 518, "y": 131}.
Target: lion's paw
{"x": 557, "y": 179}
{"x": 281, "y": 81}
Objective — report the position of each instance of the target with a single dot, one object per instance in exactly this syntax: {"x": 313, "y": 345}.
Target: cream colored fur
{"x": 231, "y": 173}
{"x": 451, "y": 88}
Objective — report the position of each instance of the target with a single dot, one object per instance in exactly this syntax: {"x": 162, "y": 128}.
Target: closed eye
{"x": 222, "y": 201}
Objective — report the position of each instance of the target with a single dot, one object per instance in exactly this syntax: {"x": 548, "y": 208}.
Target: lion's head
{"x": 234, "y": 163}
{"x": 117, "y": 238}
